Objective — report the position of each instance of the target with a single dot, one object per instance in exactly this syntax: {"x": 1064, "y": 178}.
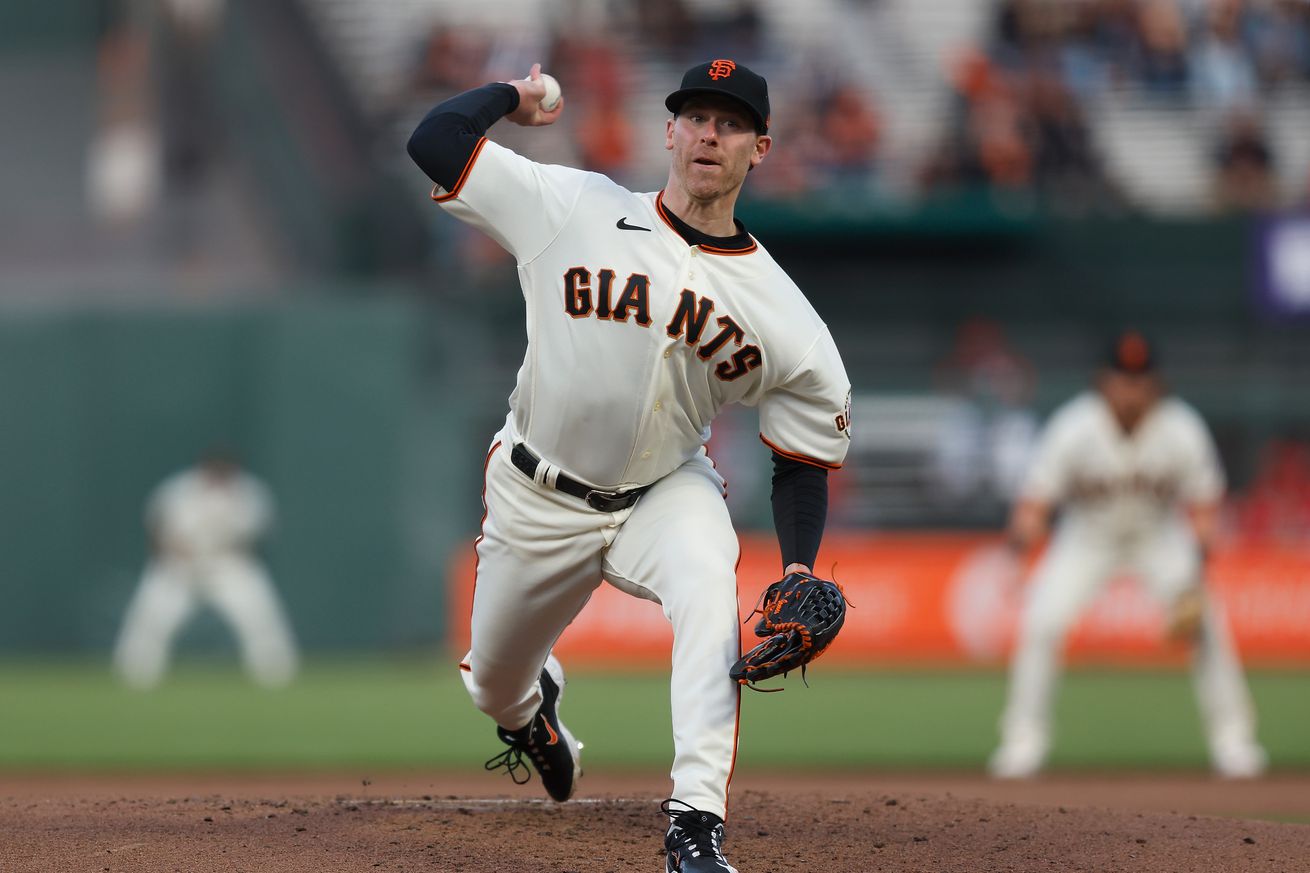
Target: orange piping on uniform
{"x": 804, "y": 459}
{"x": 481, "y": 533}
{"x": 715, "y": 250}
{"x": 463, "y": 176}
{"x": 659, "y": 208}
{"x": 736, "y": 727}
{"x": 712, "y": 250}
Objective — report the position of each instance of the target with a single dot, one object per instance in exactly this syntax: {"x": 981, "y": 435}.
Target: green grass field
{"x": 392, "y": 713}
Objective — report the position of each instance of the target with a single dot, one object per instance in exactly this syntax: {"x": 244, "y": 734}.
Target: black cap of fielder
{"x": 1131, "y": 352}
{"x": 729, "y": 79}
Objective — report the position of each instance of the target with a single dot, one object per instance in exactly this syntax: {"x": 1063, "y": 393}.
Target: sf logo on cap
{"x": 722, "y": 69}
{"x": 1133, "y": 353}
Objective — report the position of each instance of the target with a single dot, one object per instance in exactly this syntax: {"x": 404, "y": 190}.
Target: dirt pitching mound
{"x": 474, "y": 824}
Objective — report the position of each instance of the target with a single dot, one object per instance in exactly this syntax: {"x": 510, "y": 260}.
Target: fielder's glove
{"x": 800, "y": 617}
{"x": 1185, "y": 615}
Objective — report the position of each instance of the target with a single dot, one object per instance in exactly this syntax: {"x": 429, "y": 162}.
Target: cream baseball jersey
{"x": 1122, "y": 496}
{"x": 198, "y": 515}
{"x": 636, "y": 338}
{"x": 1123, "y": 483}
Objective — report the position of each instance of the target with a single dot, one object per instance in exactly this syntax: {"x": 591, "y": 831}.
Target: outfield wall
{"x": 325, "y": 401}
{"x": 951, "y": 599}
{"x": 367, "y": 417}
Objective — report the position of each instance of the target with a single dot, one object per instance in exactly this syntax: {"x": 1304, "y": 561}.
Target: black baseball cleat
{"x": 544, "y": 742}
{"x": 694, "y": 843}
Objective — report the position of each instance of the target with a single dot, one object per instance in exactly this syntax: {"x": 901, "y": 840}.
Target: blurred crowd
{"x": 1223, "y": 54}
{"x": 1022, "y": 95}
{"x": 832, "y": 136}
{"x": 1021, "y": 120}
{"x": 159, "y": 135}
{"x": 1275, "y": 507}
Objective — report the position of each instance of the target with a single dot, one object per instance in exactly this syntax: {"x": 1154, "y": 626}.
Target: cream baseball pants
{"x": 541, "y": 555}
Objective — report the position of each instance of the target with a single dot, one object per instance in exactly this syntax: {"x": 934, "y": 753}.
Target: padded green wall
{"x": 323, "y": 401}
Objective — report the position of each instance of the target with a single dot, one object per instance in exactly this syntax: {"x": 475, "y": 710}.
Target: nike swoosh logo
{"x": 622, "y": 224}
{"x": 554, "y": 737}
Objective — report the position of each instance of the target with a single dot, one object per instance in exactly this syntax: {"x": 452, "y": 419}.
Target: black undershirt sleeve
{"x": 444, "y": 140}
{"x": 800, "y": 509}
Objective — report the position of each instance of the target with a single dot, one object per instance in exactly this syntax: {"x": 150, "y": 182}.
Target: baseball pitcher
{"x": 646, "y": 314}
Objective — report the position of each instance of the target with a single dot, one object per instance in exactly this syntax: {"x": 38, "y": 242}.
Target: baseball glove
{"x": 800, "y": 616}
{"x": 1183, "y": 622}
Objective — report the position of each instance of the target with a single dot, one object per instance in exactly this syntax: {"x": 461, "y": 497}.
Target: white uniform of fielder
{"x": 1123, "y": 496}
{"x": 204, "y": 522}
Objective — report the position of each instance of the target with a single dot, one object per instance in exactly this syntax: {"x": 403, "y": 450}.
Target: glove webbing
{"x": 807, "y": 638}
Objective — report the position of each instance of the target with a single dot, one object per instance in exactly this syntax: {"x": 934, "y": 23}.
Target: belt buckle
{"x": 605, "y": 501}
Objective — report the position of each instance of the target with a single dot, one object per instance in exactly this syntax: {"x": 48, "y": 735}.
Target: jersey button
{"x": 645, "y": 456}
{"x": 668, "y": 353}
{"x": 658, "y": 405}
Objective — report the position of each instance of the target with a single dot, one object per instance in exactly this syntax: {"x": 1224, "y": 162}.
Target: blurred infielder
{"x": 1139, "y": 484}
{"x": 203, "y": 524}
{"x": 646, "y": 313}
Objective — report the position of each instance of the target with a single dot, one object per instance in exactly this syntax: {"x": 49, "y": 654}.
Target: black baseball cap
{"x": 1130, "y": 351}
{"x": 729, "y": 79}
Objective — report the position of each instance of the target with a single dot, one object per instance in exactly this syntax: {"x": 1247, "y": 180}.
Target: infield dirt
{"x": 476, "y": 823}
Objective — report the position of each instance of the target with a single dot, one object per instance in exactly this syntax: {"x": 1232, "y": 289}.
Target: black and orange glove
{"x": 800, "y": 616}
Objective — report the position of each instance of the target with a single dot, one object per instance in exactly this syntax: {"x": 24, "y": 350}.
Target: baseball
{"x": 553, "y": 93}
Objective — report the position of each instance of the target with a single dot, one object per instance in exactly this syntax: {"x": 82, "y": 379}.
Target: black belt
{"x": 606, "y": 501}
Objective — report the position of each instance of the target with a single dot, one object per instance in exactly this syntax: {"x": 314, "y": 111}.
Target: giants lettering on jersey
{"x": 843, "y": 419}
{"x": 690, "y": 319}
{"x": 578, "y": 300}
{"x": 1139, "y": 484}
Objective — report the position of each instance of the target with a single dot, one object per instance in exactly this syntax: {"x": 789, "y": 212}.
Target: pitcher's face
{"x": 714, "y": 145}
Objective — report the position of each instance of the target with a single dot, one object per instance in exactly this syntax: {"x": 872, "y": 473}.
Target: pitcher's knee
{"x": 487, "y": 700}
{"x": 709, "y": 606}
{"x": 495, "y": 699}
